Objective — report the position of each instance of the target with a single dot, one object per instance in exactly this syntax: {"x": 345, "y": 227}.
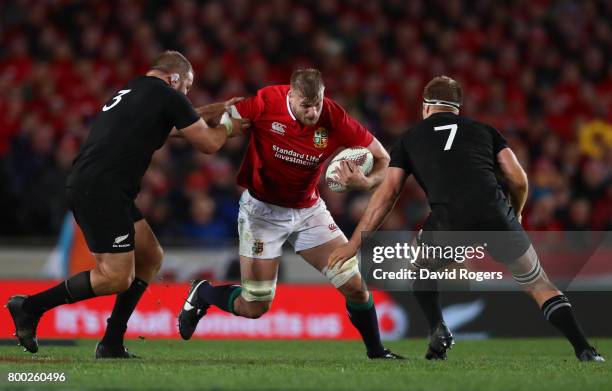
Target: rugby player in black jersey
{"x": 101, "y": 189}
{"x": 454, "y": 159}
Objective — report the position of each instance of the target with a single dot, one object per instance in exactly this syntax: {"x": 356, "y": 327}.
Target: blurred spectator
{"x": 579, "y": 215}
{"x": 540, "y": 71}
{"x": 205, "y": 224}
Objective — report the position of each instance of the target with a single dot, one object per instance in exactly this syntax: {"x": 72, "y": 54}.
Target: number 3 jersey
{"x": 454, "y": 160}
{"x": 284, "y": 158}
{"x": 133, "y": 124}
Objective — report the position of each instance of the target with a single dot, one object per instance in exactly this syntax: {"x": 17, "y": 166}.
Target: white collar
{"x": 289, "y": 108}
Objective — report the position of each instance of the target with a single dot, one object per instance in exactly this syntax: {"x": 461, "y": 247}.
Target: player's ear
{"x": 175, "y": 79}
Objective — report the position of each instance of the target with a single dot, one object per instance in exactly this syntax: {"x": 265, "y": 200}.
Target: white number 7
{"x": 451, "y": 136}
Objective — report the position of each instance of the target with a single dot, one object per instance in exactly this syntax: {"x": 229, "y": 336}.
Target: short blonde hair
{"x": 308, "y": 82}
{"x": 172, "y": 61}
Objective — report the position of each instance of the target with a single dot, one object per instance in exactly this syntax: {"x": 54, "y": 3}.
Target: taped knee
{"x": 340, "y": 275}
{"x": 258, "y": 290}
{"x": 535, "y": 271}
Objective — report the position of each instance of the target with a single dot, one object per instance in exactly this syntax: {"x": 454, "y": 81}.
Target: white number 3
{"x": 116, "y": 100}
{"x": 451, "y": 136}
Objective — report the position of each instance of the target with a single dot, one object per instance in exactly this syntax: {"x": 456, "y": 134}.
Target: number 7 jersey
{"x": 453, "y": 158}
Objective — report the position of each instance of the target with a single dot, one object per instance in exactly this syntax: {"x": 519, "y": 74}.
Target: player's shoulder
{"x": 153, "y": 88}
{"x": 444, "y": 117}
{"x": 271, "y": 101}
{"x": 332, "y": 112}
{"x": 331, "y": 105}
{"x": 469, "y": 121}
{"x": 447, "y": 118}
{"x": 472, "y": 122}
{"x": 273, "y": 93}
{"x": 150, "y": 82}
{"x": 423, "y": 127}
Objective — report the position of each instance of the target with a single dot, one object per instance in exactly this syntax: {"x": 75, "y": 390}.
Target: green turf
{"x": 510, "y": 364}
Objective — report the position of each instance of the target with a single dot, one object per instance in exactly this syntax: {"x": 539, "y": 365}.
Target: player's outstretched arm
{"x": 210, "y": 140}
{"x": 212, "y": 113}
{"x": 516, "y": 179}
{"x": 378, "y": 209}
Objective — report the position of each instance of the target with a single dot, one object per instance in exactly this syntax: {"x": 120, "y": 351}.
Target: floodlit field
{"x": 508, "y": 364}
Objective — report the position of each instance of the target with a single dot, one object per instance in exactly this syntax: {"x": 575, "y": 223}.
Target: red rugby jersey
{"x": 284, "y": 158}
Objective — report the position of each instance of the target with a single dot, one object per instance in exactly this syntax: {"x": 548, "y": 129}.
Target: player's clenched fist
{"x": 351, "y": 177}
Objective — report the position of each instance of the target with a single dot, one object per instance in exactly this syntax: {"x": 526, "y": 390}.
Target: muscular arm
{"x": 212, "y": 113}
{"x": 350, "y": 176}
{"x": 380, "y": 204}
{"x": 209, "y": 140}
{"x": 378, "y": 209}
{"x": 381, "y": 162}
{"x": 515, "y": 177}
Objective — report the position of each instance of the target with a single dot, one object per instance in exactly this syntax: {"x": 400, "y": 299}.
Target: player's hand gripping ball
{"x": 362, "y": 159}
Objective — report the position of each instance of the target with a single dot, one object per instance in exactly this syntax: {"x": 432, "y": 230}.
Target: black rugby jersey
{"x": 453, "y": 158}
{"x": 133, "y": 124}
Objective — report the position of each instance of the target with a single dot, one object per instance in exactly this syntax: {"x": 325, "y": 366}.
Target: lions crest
{"x": 320, "y": 138}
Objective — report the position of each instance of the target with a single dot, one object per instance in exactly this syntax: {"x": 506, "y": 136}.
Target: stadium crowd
{"x": 540, "y": 71}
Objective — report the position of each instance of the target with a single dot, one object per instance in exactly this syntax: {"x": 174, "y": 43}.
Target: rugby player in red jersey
{"x": 294, "y": 130}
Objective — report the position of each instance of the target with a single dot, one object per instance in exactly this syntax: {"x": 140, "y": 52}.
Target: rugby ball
{"x": 361, "y": 156}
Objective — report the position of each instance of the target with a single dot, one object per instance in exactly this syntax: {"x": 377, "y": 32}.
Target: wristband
{"x": 227, "y": 121}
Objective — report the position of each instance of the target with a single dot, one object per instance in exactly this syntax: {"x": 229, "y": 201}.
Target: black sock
{"x": 363, "y": 317}
{"x": 76, "y": 288}
{"x": 427, "y": 296}
{"x": 222, "y": 296}
{"x": 125, "y": 304}
{"x": 558, "y": 311}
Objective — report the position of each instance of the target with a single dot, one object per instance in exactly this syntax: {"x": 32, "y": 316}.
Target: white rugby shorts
{"x": 264, "y": 228}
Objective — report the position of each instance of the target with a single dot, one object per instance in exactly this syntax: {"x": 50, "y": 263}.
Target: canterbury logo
{"x": 279, "y": 128}
{"x": 120, "y": 239}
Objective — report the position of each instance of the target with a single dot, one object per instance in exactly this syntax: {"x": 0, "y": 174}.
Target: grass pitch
{"x": 508, "y": 364}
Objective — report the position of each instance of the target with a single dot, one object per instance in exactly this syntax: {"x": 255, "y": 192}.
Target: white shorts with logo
{"x": 264, "y": 228}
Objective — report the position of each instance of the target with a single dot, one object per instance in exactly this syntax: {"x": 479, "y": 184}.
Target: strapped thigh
{"x": 530, "y": 262}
